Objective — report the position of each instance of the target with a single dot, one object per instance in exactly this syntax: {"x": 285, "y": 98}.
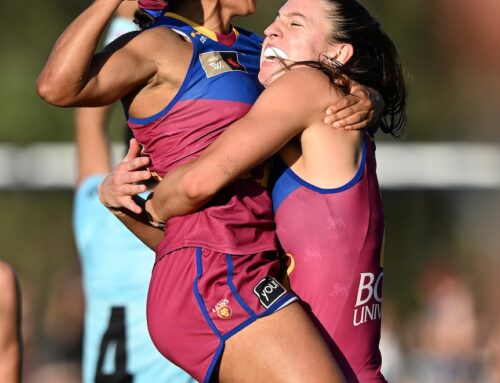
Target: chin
{"x": 251, "y": 8}
{"x": 249, "y": 12}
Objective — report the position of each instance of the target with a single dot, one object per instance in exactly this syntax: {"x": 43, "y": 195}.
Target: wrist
{"x": 153, "y": 218}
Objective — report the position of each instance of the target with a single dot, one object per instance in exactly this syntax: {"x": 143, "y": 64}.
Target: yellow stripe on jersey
{"x": 199, "y": 28}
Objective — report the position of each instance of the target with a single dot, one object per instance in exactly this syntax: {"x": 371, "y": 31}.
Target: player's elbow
{"x": 197, "y": 189}
{"x": 50, "y": 90}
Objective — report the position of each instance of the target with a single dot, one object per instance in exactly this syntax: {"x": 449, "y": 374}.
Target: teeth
{"x": 272, "y": 52}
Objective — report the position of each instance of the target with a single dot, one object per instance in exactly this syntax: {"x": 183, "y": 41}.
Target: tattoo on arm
{"x": 228, "y": 166}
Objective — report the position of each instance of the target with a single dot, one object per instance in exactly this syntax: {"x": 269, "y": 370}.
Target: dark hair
{"x": 375, "y": 61}
{"x": 144, "y": 19}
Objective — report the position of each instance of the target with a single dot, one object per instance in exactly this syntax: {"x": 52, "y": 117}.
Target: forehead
{"x": 307, "y": 9}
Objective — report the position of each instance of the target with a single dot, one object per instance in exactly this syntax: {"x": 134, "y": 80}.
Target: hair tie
{"x": 152, "y": 5}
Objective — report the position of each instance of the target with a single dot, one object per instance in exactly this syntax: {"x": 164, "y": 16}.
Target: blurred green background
{"x": 450, "y": 51}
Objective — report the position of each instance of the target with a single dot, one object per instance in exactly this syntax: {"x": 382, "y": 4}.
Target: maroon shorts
{"x": 198, "y": 298}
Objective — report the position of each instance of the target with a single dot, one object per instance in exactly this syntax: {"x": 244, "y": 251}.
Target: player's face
{"x": 299, "y": 32}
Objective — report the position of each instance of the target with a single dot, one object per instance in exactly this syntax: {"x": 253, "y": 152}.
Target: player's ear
{"x": 341, "y": 52}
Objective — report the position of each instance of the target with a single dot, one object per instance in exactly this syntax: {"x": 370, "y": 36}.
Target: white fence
{"x": 400, "y": 165}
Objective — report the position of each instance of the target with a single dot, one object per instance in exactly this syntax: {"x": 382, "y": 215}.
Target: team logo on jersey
{"x": 269, "y": 290}
{"x": 223, "y": 310}
{"x": 215, "y": 63}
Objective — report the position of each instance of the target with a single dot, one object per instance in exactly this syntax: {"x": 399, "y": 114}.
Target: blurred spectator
{"x": 55, "y": 372}
{"x": 54, "y": 354}
{"x": 493, "y": 354}
{"x": 445, "y": 330}
{"x": 63, "y": 317}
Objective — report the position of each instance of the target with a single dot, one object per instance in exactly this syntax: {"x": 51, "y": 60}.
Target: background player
{"x": 10, "y": 326}
{"x": 116, "y": 265}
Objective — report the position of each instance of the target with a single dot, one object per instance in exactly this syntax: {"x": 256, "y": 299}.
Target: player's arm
{"x": 93, "y": 149}
{"x": 92, "y": 144}
{"x": 10, "y": 326}
{"x": 140, "y": 224}
{"x": 284, "y": 110}
{"x": 74, "y": 76}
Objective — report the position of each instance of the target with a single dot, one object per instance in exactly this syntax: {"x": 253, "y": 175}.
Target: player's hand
{"x": 361, "y": 108}
{"x": 118, "y": 187}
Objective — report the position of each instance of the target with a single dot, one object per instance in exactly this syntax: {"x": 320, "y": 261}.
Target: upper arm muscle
{"x": 124, "y": 65}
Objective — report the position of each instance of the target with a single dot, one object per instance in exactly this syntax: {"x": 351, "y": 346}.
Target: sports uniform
{"x": 333, "y": 238}
{"x": 216, "y": 269}
{"x": 116, "y": 270}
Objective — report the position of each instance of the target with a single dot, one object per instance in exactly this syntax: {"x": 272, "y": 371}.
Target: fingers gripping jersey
{"x": 220, "y": 86}
{"x": 333, "y": 238}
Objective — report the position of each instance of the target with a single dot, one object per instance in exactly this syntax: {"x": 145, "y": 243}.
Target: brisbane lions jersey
{"x": 333, "y": 238}
{"x": 220, "y": 87}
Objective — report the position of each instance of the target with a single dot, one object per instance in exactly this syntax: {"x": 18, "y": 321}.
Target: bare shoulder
{"x": 304, "y": 89}
{"x": 309, "y": 85}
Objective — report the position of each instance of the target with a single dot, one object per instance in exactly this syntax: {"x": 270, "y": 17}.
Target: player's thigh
{"x": 284, "y": 347}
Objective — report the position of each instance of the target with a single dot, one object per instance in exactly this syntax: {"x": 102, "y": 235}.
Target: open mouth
{"x": 273, "y": 53}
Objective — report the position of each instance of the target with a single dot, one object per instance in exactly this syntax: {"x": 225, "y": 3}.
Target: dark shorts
{"x": 198, "y": 298}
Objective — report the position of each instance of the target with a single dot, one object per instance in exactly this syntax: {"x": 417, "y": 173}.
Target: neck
{"x": 208, "y": 13}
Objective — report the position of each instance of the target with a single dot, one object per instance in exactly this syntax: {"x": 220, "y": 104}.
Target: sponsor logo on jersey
{"x": 223, "y": 309}
{"x": 269, "y": 290}
{"x": 215, "y": 63}
{"x": 203, "y": 38}
{"x": 369, "y": 298}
